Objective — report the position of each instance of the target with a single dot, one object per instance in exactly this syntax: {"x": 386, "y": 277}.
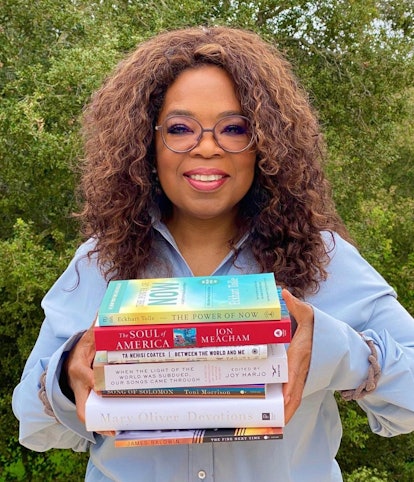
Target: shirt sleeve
{"x": 356, "y": 300}
{"x": 70, "y": 308}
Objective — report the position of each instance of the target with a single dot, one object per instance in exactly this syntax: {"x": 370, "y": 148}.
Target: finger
{"x": 298, "y": 309}
{"x": 292, "y": 390}
{"x": 108, "y": 433}
{"x": 85, "y": 376}
{"x": 299, "y": 353}
{"x": 87, "y": 342}
{"x": 82, "y": 384}
{"x": 82, "y": 355}
{"x": 291, "y": 406}
{"x": 81, "y": 397}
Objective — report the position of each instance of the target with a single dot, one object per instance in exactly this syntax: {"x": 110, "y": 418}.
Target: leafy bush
{"x": 367, "y": 475}
{"x": 29, "y": 264}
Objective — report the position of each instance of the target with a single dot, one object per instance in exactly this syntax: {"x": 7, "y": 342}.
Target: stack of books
{"x": 202, "y": 354}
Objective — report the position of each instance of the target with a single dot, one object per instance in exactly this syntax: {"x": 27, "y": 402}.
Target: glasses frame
{"x": 160, "y": 128}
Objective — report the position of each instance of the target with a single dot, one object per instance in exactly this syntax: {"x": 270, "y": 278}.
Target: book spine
{"x": 183, "y": 316}
{"x": 199, "y": 436}
{"x": 151, "y": 337}
{"x": 230, "y": 391}
{"x": 103, "y": 414}
{"x": 192, "y": 374}
{"x": 243, "y": 352}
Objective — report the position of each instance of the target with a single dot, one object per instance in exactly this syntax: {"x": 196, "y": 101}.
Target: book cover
{"x": 184, "y": 413}
{"x": 272, "y": 369}
{"x": 200, "y": 299}
{"x": 139, "y": 438}
{"x": 241, "y": 352}
{"x": 152, "y": 337}
{"x": 257, "y": 390}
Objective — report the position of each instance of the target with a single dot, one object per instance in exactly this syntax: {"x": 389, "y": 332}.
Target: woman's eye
{"x": 234, "y": 129}
{"x": 179, "y": 129}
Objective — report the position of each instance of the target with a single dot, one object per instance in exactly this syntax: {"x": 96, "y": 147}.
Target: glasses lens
{"x": 181, "y": 133}
{"x": 233, "y": 133}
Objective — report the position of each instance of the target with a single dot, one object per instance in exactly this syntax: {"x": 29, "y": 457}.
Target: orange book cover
{"x": 139, "y": 438}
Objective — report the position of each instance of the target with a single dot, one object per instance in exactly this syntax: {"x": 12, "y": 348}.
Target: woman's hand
{"x": 298, "y": 354}
{"x": 78, "y": 367}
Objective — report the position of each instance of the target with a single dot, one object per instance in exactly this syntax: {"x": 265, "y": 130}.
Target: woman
{"x": 203, "y": 157}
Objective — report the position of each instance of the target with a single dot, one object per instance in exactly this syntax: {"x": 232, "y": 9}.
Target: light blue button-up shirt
{"x": 354, "y": 298}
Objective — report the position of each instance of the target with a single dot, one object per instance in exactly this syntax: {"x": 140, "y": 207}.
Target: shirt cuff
{"x": 339, "y": 356}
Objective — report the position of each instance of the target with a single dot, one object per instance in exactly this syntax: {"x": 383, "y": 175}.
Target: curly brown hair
{"x": 289, "y": 203}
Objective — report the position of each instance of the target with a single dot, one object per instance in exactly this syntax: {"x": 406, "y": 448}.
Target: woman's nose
{"x": 207, "y": 145}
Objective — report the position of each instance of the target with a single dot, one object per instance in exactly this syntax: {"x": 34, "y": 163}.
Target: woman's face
{"x": 206, "y": 182}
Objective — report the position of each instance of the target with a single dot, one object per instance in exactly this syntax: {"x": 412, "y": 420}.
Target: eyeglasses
{"x": 181, "y": 133}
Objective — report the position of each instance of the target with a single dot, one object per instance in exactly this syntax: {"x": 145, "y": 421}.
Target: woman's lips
{"x": 206, "y": 181}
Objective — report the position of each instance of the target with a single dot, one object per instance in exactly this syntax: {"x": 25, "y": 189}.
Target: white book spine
{"x": 243, "y": 352}
{"x": 160, "y": 413}
{"x": 272, "y": 369}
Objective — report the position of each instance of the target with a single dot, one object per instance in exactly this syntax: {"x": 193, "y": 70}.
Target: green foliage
{"x": 29, "y": 264}
{"x": 19, "y": 464}
{"x": 364, "y": 455}
{"x": 364, "y": 474}
{"x": 355, "y": 59}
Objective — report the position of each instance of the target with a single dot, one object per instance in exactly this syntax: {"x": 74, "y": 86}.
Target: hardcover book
{"x": 202, "y": 335}
{"x": 242, "y": 352}
{"x": 184, "y": 413}
{"x": 225, "y": 391}
{"x": 200, "y": 299}
{"x": 272, "y": 369}
{"x": 139, "y": 438}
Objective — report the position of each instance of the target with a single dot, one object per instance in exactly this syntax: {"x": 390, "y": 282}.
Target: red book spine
{"x": 148, "y": 337}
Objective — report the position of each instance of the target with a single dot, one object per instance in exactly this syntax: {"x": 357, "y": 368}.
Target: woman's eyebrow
{"x": 192, "y": 114}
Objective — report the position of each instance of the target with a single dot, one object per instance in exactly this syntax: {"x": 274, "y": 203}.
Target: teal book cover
{"x": 191, "y": 299}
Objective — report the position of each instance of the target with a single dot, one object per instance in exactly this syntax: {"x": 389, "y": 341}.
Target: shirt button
{"x": 201, "y": 474}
